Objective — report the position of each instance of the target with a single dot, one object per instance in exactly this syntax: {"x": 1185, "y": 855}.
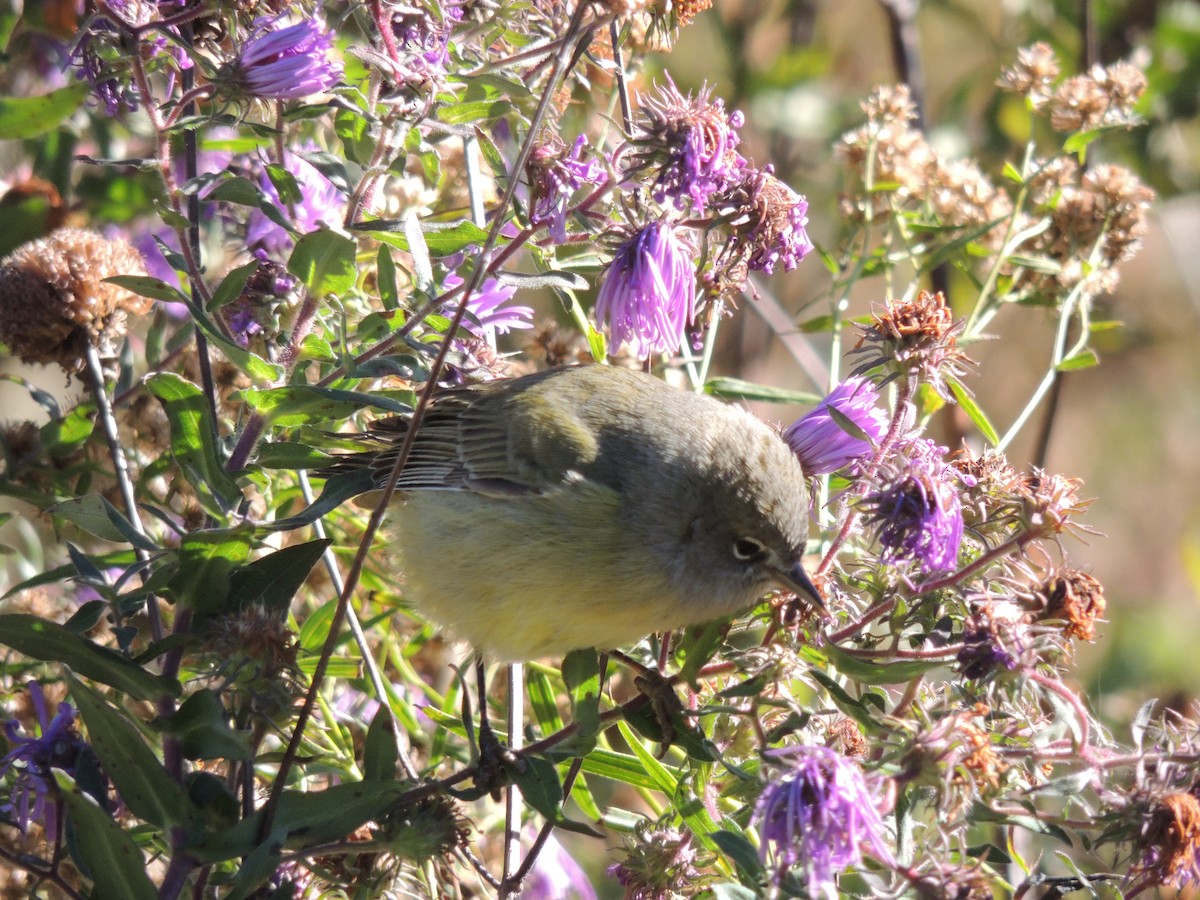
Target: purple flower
{"x": 34, "y": 795}
{"x": 484, "y": 308}
{"x": 320, "y": 201}
{"x": 917, "y": 511}
{"x": 817, "y": 815}
{"x": 554, "y": 176}
{"x": 648, "y": 296}
{"x": 691, "y": 141}
{"x": 822, "y": 440}
{"x": 556, "y": 876}
{"x": 423, "y": 40}
{"x": 286, "y": 63}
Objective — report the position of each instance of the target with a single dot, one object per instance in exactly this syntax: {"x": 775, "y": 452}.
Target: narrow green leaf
{"x": 95, "y": 515}
{"x": 290, "y": 455}
{"x": 193, "y": 437}
{"x": 974, "y": 412}
{"x": 145, "y": 286}
{"x": 380, "y": 749}
{"x": 39, "y": 639}
{"x": 22, "y": 118}
{"x": 737, "y": 389}
{"x": 1085, "y": 359}
{"x": 113, "y": 860}
{"x": 140, "y": 779}
{"x": 581, "y": 673}
{"x": 301, "y": 404}
{"x": 385, "y": 278}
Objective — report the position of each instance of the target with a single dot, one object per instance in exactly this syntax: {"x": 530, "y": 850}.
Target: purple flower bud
{"x": 648, "y": 296}
{"x": 817, "y": 815}
{"x": 286, "y": 63}
{"x": 822, "y": 440}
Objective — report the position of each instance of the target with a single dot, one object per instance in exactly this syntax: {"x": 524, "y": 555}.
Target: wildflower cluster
{"x": 276, "y": 229}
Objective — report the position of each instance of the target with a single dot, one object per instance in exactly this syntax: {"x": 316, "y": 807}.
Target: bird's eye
{"x": 747, "y": 548}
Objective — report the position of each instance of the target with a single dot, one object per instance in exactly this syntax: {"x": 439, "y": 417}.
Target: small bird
{"x": 588, "y": 507}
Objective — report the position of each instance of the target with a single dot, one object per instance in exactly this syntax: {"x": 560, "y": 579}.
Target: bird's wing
{"x": 491, "y": 440}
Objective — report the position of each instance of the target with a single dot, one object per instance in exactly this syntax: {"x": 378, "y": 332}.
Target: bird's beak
{"x": 796, "y": 580}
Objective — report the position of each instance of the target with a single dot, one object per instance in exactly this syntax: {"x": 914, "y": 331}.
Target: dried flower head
{"x": 689, "y": 142}
{"x": 658, "y": 863}
{"x": 891, "y": 159}
{"x": 1049, "y": 503}
{"x": 768, "y": 221}
{"x": 1033, "y": 74}
{"x": 1075, "y": 598}
{"x": 962, "y": 196}
{"x": 1170, "y": 839}
{"x": 1100, "y": 97}
{"x": 54, "y": 301}
{"x": 915, "y": 336}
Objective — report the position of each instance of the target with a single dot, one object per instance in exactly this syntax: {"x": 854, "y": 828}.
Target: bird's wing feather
{"x": 487, "y": 440}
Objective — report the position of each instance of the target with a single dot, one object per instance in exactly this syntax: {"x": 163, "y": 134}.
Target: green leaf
{"x": 310, "y": 817}
{"x": 95, "y": 515}
{"x": 441, "y": 239}
{"x": 380, "y": 749}
{"x": 1085, "y": 359}
{"x": 878, "y": 673}
{"x": 114, "y": 862}
{"x": 145, "y": 286}
{"x": 207, "y": 561}
{"x": 474, "y": 111}
{"x": 193, "y": 438}
{"x": 385, "y": 278}
{"x": 290, "y": 455}
{"x": 337, "y": 491}
{"x": 354, "y": 131}
{"x": 257, "y": 866}
{"x": 324, "y": 261}
{"x": 543, "y": 700}
{"x": 39, "y": 639}
{"x": 974, "y": 412}
{"x": 737, "y": 389}
{"x": 140, "y": 779}
{"x": 231, "y": 285}
{"x": 300, "y": 404}
{"x": 273, "y": 580}
{"x": 202, "y": 727}
{"x": 739, "y": 849}
{"x": 694, "y": 814}
{"x": 22, "y": 118}
{"x": 581, "y": 673}
{"x": 540, "y": 788}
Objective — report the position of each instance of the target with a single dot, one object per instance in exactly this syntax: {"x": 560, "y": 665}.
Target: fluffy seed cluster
{"x": 54, "y": 301}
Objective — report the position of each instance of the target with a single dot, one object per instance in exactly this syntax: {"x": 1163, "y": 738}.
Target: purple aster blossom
{"x": 423, "y": 40}
{"x": 555, "y": 174}
{"x": 817, "y": 815}
{"x": 820, "y": 438}
{"x": 485, "y": 312}
{"x": 286, "y": 63}
{"x": 320, "y": 201}
{"x": 768, "y": 221}
{"x": 58, "y": 745}
{"x": 917, "y": 512}
{"x": 648, "y": 295}
{"x": 692, "y": 143}
{"x": 556, "y": 876}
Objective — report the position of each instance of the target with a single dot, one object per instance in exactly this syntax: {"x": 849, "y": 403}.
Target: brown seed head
{"x": 1171, "y": 841}
{"x": 1033, "y": 74}
{"x": 1075, "y": 598}
{"x": 54, "y": 301}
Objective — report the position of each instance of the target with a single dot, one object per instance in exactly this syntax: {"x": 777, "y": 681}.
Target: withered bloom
{"x": 1077, "y": 599}
{"x": 1171, "y": 842}
{"x": 914, "y": 335}
{"x": 54, "y": 301}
